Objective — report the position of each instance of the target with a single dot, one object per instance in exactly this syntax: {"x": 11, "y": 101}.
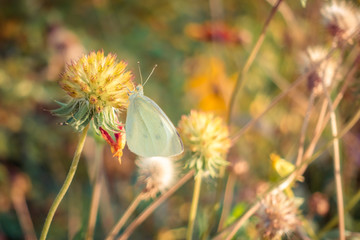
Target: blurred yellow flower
{"x": 281, "y": 166}
{"x": 207, "y": 139}
{"x": 209, "y": 84}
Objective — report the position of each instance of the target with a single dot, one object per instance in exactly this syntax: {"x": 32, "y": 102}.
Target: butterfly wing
{"x": 149, "y": 132}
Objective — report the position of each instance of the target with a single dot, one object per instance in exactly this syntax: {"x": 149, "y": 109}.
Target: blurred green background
{"x": 196, "y": 69}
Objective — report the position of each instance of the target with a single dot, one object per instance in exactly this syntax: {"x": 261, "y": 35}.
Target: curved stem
{"x": 240, "y": 81}
{"x": 273, "y": 103}
{"x": 95, "y": 198}
{"x": 125, "y": 217}
{"x": 303, "y": 130}
{"x": 65, "y": 185}
{"x": 337, "y": 172}
{"x": 228, "y": 197}
{"x": 337, "y": 164}
{"x": 194, "y": 205}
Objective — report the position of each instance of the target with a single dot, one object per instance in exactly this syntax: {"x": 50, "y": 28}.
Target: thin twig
{"x": 125, "y": 217}
{"x": 300, "y": 169}
{"x": 194, "y": 205}
{"x": 337, "y": 172}
{"x": 240, "y": 82}
{"x": 270, "y": 106}
{"x": 303, "y": 129}
{"x": 22, "y": 211}
{"x": 307, "y": 159}
{"x": 320, "y": 123}
{"x": 337, "y": 164}
{"x": 244, "y": 218}
{"x": 145, "y": 214}
{"x": 282, "y": 95}
{"x": 228, "y": 197}
{"x": 95, "y": 198}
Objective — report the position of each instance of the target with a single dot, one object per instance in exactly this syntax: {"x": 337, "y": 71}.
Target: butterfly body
{"x": 149, "y": 131}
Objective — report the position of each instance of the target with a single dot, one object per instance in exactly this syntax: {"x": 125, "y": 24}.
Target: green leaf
{"x": 236, "y": 213}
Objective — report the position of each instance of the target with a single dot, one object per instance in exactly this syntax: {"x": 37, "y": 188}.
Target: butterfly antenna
{"x": 152, "y": 71}
{"x": 140, "y": 73}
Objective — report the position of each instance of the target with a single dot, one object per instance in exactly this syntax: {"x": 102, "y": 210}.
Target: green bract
{"x": 78, "y": 114}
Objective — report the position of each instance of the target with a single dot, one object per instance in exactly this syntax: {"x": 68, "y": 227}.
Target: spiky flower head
{"x": 98, "y": 87}
{"x": 342, "y": 19}
{"x": 278, "y": 215}
{"x": 207, "y": 139}
{"x": 156, "y": 173}
{"x": 326, "y": 70}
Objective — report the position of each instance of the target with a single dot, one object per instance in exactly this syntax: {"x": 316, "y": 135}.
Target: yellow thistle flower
{"x": 207, "y": 138}
{"x": 278, "y": 215}
{"x": 98, "y": 86}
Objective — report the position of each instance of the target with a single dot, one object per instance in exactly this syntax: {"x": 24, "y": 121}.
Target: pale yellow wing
{"x": 149, "y": 132}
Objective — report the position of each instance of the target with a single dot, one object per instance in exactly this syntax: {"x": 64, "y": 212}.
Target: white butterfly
{"x": 149, "y": 132}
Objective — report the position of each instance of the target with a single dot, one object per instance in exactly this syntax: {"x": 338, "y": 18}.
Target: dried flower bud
{"x": 156, "y": 173}
{"x": 326, "y": 70}
{"x": 341, "y": 18}
{"x": 278, "y": 215}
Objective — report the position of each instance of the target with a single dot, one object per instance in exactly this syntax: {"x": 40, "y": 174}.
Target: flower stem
{"x": 303, "y": 130}
{"x": 337, "y": 173}
{"x": 125, "y": 217}
{"x": 240, "y": 82}
{"x": 228, "y": 197}
{"x": 337, "y": 165}
{"x": 194, "y": 205}
{"x": 66, "y": 184}
{"x": 146, "y": 213}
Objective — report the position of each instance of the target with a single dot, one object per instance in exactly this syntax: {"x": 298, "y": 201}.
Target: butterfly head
{"x": 139, "y": 88}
